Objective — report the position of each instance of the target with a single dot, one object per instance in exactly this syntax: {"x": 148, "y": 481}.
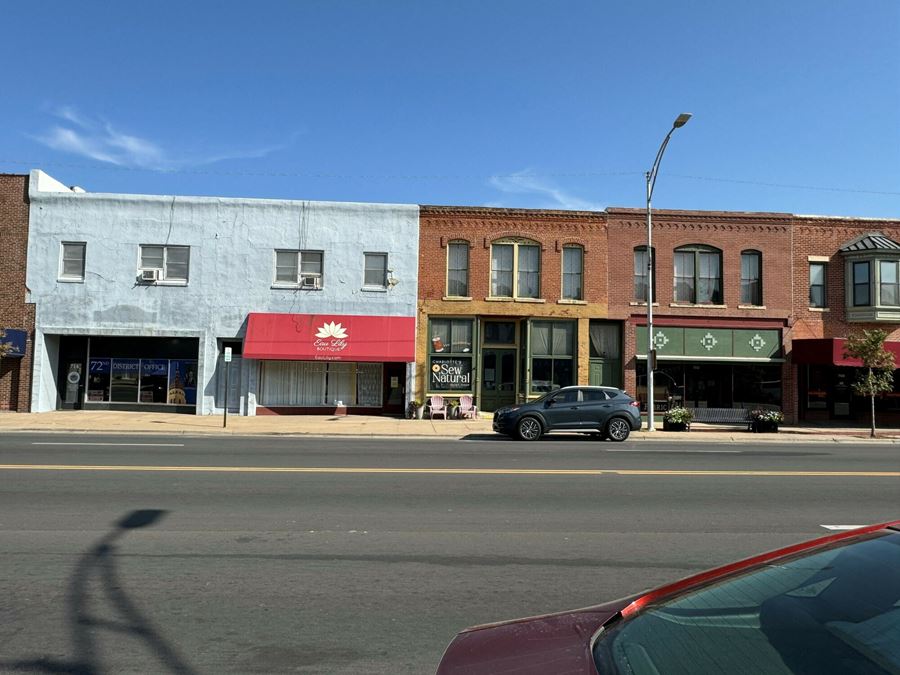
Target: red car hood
{"x": 554, "y": 643}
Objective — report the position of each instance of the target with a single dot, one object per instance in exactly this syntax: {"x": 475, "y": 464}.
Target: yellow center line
{"x": 443, "y": 471}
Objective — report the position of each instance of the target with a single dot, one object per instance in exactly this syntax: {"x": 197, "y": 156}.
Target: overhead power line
{"x": 438, "y": 177}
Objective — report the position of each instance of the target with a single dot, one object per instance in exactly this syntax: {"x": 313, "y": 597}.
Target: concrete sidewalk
{"x": 117, "y": 422}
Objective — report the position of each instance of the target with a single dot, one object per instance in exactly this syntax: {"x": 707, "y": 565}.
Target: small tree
{"x": 877, "y": 373}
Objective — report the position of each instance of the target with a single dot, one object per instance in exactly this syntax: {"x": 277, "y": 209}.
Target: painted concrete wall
{"x": 232, "y": 268}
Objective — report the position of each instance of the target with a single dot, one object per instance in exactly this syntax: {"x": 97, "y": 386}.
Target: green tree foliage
{"x": 877, "y": 373}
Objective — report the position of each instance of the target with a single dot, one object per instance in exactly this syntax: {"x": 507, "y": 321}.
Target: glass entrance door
{"x": 498, "y": 378}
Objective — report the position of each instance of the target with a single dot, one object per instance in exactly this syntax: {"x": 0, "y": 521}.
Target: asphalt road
{"x": 313, "y": 555}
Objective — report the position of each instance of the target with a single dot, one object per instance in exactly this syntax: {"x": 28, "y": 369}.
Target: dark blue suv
{"x": 607, "y": 411}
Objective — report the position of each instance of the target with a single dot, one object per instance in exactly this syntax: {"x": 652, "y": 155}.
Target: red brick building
{"x": 722, "y": 306}
{"x": 513, "y": 303}
{"x": 845, "y": 280}
{"x": 16, "y": 315}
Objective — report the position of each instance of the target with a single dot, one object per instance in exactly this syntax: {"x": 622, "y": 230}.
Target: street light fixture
{"x": 679, "y": 122}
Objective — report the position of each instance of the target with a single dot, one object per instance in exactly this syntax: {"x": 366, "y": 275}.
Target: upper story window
{"x": 515, "y": 269}
{"x": 458, "y": 269}
{"x": 751, "y": 278}
{"x": 817, "y": 289}
{"x": 71, "y": 261}
{"x": 164, "y": 263}
{"x": 698, "y": 275}
{"x": 301, "y": 269}
{"x": 872, "y": 278}
{"x": 641, "y": 272}
{"x": 375, "y": 272}
{"x": 573, "y": 272}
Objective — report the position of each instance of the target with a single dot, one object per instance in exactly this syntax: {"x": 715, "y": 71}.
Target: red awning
{"x": 830, "y": 351}
{"x": 330, "y": 337}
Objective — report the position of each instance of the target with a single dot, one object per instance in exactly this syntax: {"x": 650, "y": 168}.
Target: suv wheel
{"x": 529, "y": 429}
{"x": 617, "y": 429}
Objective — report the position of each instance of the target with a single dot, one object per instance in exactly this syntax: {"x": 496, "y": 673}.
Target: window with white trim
{"x": 71, "y": 261}
{"x": 458, "y": 269}
{"x": 375, "y": 272}
{"x": 573, "y": 272}
{"x": 170, "y": 263}
{"x": 515, "y": 269}
{"x": 298, "y": 269}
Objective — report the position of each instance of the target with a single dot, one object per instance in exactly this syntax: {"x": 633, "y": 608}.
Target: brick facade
{"x": 15, "y": 312}
{"x": 552, "y": 230}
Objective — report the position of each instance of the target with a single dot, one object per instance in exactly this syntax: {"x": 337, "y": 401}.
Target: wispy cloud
{"x": 543, "y": 194}
{"x": 99, "y": 140}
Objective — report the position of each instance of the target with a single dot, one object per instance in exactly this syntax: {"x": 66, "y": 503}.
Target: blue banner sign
{"x": 17, "y": 339}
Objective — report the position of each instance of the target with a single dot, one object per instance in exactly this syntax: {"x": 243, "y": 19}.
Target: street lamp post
{"x": 680, "y": 121}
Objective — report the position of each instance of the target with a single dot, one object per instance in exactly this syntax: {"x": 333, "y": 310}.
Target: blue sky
{"x": 552, "y": 104}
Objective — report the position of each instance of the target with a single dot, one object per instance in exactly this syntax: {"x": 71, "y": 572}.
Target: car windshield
{"x": 836, "y": 611}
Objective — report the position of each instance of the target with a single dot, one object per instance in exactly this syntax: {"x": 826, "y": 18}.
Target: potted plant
{"x": 763, "y": 421}
{"x": 452, "y": 408}
{"x": 677, "y": 419}
{"x": 415, "y": 410}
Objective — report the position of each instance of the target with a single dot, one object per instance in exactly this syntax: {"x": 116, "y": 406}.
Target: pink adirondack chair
{"x": 437, "y": 407}
{"x": 467, "y": 409}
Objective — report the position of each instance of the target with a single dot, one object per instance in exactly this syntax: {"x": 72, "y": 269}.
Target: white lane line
{"x": 142, "y": 445}
{"x": 841, "y": 527}
{"x": 680, "y": 452}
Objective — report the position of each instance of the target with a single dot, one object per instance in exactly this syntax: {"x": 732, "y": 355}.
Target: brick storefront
{"x": 822, "y": 375}
{"x": 500, "y": 328}
{"x": 15, "y": 313}
{"x": 712, "y": 372}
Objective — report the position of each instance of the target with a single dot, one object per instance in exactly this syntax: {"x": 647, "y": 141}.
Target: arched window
{"x": 698, "y": 275}
{"x": 751, "y": 278}
{"x": 515, "y": 268}
{"x": 573, "y": 272}
{"x": 458, "y": 269}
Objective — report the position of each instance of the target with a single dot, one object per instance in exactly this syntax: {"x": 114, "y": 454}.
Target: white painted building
{"x": 138, "y": 296}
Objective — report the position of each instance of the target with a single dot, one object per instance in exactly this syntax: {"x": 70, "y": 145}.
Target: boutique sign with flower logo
{"x": 330, "y": 337}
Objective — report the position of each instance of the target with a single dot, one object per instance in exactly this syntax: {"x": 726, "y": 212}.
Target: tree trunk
{"x": 872, "y": 433}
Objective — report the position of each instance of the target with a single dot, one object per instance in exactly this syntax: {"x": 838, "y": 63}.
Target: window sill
{"x": 751, "y": 306}
{"x": 162, "y": 282}
{"x": 642, "y": 304}
{"x": 570, "y": 301}
{"x": 293, "y": 287}
{"x": 493, "y": 299}
{"x": 819, "y": 309}
{"x": 700, "y": 306}
{"x": 456, "y": 298}
{"x": 373, "y": 289}
{"x": 63, "y": 280}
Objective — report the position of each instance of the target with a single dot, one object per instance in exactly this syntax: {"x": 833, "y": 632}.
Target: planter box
{"x": 674, "y": 426}
{"x": 763, "y": 427}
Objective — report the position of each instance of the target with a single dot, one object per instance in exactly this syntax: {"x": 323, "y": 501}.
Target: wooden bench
{"x": 735, "y": 416}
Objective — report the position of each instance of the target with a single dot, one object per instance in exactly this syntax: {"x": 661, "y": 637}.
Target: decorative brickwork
{"x": 15, "y": 373}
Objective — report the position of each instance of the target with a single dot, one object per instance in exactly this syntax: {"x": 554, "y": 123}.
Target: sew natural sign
{"x": 450, "y": 374}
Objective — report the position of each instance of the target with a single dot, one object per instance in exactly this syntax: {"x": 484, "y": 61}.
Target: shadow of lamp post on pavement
{"x": 85, "y": 622}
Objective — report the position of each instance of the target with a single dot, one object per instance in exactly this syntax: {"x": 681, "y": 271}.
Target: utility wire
{"x": 441, "y": 177}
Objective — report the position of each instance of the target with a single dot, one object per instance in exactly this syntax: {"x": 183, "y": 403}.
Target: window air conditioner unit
{"x": 310, "y": 280}
{"x": 149, "y": 275}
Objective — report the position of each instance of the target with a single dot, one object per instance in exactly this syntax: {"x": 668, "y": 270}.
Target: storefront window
{"x": 125, "y": 373}
{"x": 182, "y": 382}
{"x": 98, "y": 380}
{"x": 450, "y": 355}
{"x": 817, "y": 387}
{"x": 314, "y": 383}
{"x": 154, "y": 380}
{"x": 552, "y": 355}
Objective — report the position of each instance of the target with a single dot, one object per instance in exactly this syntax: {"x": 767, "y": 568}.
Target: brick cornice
{"x": 492, "y": 214}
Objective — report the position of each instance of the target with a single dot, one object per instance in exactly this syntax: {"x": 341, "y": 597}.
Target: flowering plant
{"x": 678, "y": 415}
{"x": 775, "y": 416}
